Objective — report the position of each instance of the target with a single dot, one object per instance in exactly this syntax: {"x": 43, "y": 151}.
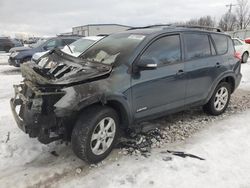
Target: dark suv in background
{"x": 6, "y": 44}
{"x": 20, "y": 55}
{"x": 125, "y": 78}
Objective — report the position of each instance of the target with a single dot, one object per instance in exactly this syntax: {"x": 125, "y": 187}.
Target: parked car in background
{"x": 7, "y": 43}
{"x": 125, "y": 78}
{"x": 24, "y": 54}
{"x": 247, "y": 40}
{"x": 242, "y": 48}
{"x": 74, "y": 49}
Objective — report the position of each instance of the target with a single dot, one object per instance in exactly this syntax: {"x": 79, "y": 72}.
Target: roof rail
{"x": 69, "y": 35}
{"x": 150, "y": 26}
{"x": 201, "y": 27}
{"x": 180, "y": 25}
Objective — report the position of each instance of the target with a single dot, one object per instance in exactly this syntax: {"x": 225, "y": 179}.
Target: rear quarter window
{"x": 221, "y": 43}
{"x": 197, "y": 45}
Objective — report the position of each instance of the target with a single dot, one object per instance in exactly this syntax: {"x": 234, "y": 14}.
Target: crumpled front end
{"x": 33, "y": 110}
{"x": 46, "y": 103}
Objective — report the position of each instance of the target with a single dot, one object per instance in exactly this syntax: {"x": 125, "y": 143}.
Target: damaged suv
{"x": 123, "y": 79}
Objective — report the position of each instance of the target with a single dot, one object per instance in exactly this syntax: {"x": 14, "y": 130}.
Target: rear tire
{"x": 219, "y": 101}
{"x": 95, "y": 133}
{"x": 244, "y": 57}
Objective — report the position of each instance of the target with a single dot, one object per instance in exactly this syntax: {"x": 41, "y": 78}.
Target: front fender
{"x": 79, "y": 97}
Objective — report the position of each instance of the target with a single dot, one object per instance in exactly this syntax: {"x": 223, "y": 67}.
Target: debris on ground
{"x": 183, "y": 154}
{"x": 78, "y": 170}
{"x": 167, "y": 158}
{"x": 54, "y": 153}
{"x": 8, "y": 137}
{"x": 141, "y": 143}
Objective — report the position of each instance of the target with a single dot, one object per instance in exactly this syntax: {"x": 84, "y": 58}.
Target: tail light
{"x": 247, "y": 40}
{"x": 237, "y": 55}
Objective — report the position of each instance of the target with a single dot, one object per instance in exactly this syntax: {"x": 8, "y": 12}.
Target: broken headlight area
{"x": 33, "y": 109}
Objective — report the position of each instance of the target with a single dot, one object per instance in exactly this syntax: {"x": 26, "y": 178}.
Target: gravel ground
{"x": 178, "y": 127}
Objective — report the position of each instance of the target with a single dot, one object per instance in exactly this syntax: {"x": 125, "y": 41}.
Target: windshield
{"x": 78, "y": 46}
{"x": 38, "y": 43}
{"x": 114, "y": 48}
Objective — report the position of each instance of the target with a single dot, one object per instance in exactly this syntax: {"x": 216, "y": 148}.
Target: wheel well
{"x": 118, "y": 107}
{"x": 231, "y": 81}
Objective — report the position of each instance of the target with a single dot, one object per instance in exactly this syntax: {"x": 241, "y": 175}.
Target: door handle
{"x": 217, "y": 65}
{"x": 180, "y": 72}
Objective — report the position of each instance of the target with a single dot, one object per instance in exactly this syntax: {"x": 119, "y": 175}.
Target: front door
{"x": 162, "y": 89}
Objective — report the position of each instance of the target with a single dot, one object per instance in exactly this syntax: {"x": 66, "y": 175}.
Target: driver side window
{"x": 166, "y": 50}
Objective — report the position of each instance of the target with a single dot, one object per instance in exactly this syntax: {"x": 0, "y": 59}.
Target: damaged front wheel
{"x": 95, "y": 133}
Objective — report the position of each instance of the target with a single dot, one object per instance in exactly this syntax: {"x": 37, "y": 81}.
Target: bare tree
{"x": 243, "y": 14}
{"x": 206, "y": 21}
{"x": 202, "y": 21}
{"x": 228, "y": 22}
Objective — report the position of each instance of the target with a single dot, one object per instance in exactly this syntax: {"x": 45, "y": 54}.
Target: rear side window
{"x": 221, "y": 43}
{"x": 197, "y": 45}
{"x": 165, "y": 50}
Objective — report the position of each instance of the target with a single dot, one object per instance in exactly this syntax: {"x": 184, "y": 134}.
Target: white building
{"x": 97, "y": 29}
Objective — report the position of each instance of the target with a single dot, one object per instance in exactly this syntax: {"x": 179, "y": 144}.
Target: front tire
{"x": 245, "y": 56}
{"x": 95, "y": 133}
{"x": 219, "y": 100}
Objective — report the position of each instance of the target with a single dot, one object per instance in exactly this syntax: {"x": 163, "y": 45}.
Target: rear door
{"x": 161, "y": 89}
{"x": 200, "y": 58}
{"x": 225, "y": 50}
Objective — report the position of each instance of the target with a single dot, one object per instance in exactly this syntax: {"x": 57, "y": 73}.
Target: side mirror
{"x": 147, "y": 64}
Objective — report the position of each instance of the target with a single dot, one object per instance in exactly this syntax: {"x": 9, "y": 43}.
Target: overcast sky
{"x": 50, "y": 17}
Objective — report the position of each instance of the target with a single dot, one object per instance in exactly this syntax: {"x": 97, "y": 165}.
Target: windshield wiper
{"x": 67, "y": 46}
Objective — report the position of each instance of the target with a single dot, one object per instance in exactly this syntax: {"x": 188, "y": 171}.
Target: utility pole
{"x": 230, "y": 7}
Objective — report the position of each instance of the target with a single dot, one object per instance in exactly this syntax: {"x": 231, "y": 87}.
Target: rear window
{"x": 221, "y": 43}
{"x": 197, "y": 45}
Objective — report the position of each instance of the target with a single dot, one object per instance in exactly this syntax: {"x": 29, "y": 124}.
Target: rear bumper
{"x": 237, "y": 80}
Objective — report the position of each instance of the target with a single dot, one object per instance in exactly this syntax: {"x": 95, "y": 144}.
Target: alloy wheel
{"x": 221, "y": 99}
{"x": 103, "y": 136}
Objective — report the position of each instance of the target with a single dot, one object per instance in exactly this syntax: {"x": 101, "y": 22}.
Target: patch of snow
{"x": 4, "y": 58}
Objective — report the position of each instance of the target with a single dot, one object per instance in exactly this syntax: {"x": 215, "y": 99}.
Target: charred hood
{"x": 58, "y": 68}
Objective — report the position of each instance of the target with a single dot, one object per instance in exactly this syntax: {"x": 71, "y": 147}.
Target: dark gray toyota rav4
{"x": 124, "y": 79}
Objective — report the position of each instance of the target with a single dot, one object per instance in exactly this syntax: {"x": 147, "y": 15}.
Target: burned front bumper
{"x": 33, "y": 113}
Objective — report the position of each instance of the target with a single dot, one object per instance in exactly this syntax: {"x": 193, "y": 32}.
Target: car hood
{"x": 19, "y": 49}
{"x": 38, "y": 55}
{"x": 61, "y": 69}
